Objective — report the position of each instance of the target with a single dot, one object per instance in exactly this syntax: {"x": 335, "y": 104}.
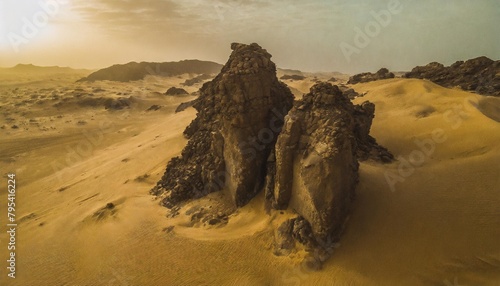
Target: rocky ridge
{"x": 382, "y": 73}
{"x": 480, "y": 75}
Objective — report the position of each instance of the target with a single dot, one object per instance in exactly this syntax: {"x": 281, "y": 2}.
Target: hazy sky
{"x": 317, "y": 35}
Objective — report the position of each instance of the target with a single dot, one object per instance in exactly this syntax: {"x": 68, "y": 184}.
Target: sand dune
{"x": 91, "y": 220}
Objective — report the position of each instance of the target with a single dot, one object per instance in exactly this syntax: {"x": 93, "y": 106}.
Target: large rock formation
{"x": 241, "y": 142}
{"x": 382, "y": 73}
{"x": 480, "y": 75}
{"x": 315, "y": 166}
{"x": 240, "y": 114}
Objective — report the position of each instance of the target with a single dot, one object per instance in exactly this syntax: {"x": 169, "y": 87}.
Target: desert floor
{"x": 436, "y": 221}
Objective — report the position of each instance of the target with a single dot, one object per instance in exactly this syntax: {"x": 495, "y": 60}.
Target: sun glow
{"x": 23, "y": 22}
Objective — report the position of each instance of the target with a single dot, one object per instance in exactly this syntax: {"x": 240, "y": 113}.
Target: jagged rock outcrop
{"x": 183, "y": 106}
{"x": 176, "y": 91}
{"x": 480, "y": 75}
{"x": 382, "y": 73}
{"x": 314, "y": 169}
{"x": 240, "y": 114}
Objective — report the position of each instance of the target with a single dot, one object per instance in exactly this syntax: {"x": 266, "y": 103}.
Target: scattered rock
{"x": 183, "y": 106}
{"x": 142, "y": 178}
{"x": 214, "y": 221}
{"x": 293, "y": 77}
{"x": 118, "y": 104}
{"x": 108, "y": 210}
{"x": 153, "y": 107}
{"x": 62, "y": 189}
{"x": 108, "y": 102}
{"x": 27, "y": 217}
{"x": 176, "y": 91}
{"x": 198, "y": 79}
{"x": 382, "y": 73}
{"x": 168, "y": 229}
{"x": 424, "y": 111}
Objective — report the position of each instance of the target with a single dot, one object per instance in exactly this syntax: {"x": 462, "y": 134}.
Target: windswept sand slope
{"x": 438, "y": 225}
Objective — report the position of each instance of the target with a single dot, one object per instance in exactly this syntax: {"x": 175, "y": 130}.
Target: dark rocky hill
{"x": 137, "y": 71}
{"x": 480, "y": 75}
{"x": 33, "y": 69}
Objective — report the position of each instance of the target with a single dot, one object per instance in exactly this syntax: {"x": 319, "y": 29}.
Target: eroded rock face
{"x": 367, "y": 146}
{"x": 382, "y": 73}
{"x": 315, "y": 166}
{"x": 481, "y": 75}
{"x": 240, "y": 113}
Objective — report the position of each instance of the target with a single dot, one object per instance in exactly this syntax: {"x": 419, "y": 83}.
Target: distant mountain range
{"x": 31, "y": 69}
{"x": 137, "y": 71}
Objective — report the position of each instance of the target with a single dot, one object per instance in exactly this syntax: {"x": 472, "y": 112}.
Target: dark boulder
{"x": 176, "y": 91}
